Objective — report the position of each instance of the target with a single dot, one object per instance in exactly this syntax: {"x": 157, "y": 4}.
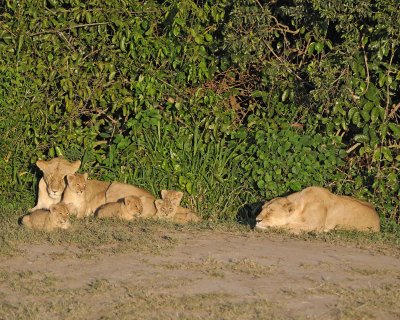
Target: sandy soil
{"x": 203, "y": 275}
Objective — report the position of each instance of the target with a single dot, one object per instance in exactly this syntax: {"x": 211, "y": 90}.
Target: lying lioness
{"x": 317, "y": 209}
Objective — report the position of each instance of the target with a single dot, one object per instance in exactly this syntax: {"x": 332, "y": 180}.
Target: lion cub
{"x": 55, "y": 218}
{"x": 83, "y": 196}
{"x": 169, "y": 208}
{"x": 127, "y": 208}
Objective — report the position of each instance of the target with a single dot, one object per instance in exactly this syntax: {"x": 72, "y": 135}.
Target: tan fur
{"x": 97, "y": 193}
{"x": 149, "y": 209}
{"x": 52, "y": 185}
{"x": 168, "y": 208}
{"x": 168, "y": 204}
{"x": 317, "y": 209}
{"x": 84, "y": 196}
{"x": 174, "y": 196}
{"x": 119, "y": 190}
{"x": 55, "y": 218}
{"x": 184, "y": 215}
{"x": 128, "y": 208}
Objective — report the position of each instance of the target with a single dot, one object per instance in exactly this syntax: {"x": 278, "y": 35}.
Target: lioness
{"x": 128, "y": 208}
{"x": 317, "y": 209}
{"x": 52, "y": 185}
{"x": 84, "y": 196}
{"x": 55, "y": 218}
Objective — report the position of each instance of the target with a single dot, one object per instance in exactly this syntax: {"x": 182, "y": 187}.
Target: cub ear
{"x": 42, "y": 165}
{"x": 70, "y": 178}
{"x": 158, "y": 203}
{"x": 127, "y": 200}
{"x": 75, "y": 166}
{"x": 179, "y": 195}
{"x": 164, "y": 194}
{"x": 85, "y": 175}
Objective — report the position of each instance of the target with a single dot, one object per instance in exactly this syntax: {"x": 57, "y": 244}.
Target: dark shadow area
{"x": 247, "y": 214}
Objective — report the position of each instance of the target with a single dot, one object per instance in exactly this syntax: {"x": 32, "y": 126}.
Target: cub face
{"x": 133, "y": 205}
{"x": 275, "y": 213}
{"x": 77, "y": 182}
{"x": 54, "y": 173}
{"x": 60, "y": 215}
{"x": 165, "y": 208}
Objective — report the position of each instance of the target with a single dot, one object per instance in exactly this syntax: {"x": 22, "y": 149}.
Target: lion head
{"x": 165, "y": 208}
{"x": 77, "y": 182}
{"x": 60, "y": 214}
{"x": 54, "y": 173}
{"x": 275, "y": 213}
{"x": 133, "y": 205}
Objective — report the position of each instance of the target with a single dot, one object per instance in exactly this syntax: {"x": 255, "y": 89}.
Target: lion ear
{"x": 128, "y": 200}
{"x": 42, "y": 165}
{"x": 85, "y": 176}
{"x": 288, "y": 205}
{"x": 70, "y": 178}
{"x": 180, "y": 196}
{"x": 158, "y": 203}
{"x": 164, "y": 194}
{"x": 75, "y": 165}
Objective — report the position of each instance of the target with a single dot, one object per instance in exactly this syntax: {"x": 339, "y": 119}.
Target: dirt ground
{"x": 203, "y": 275}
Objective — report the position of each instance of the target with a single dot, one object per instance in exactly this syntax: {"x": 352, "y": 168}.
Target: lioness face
{"x": 134, "y": 205}
{"x": 54, "y": 172}
{"x": 165, "y": 208}
{"x": 275, "y": 213}
{"x": 60, "y": 214}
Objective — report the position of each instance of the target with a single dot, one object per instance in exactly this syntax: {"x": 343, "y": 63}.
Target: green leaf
{"x": 319, "y": 47}
{"x": 395, "y": 129}
{"x": 387, "y": 154}
{"x": 361, "y": 138}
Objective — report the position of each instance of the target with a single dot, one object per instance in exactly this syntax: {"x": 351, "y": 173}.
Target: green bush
{"x": 231, "y": 102}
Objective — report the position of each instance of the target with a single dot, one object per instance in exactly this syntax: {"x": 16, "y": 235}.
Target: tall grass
{"x": 206, "y": 170}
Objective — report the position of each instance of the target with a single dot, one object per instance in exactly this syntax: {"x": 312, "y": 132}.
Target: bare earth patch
{"x": 202, "y": 274}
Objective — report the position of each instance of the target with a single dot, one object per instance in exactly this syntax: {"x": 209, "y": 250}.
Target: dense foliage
{"x": 230, "y": 101}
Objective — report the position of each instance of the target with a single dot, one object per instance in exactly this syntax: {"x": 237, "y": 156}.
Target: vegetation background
{"x": 230, "y": 101}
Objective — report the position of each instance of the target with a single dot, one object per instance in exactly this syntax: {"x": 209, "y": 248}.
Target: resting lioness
{"x": 84, "y": 196}
{"x": 52, "y": 185}
{"x": 128, "y": 208}
{"x": 317, "y": 209}
{"x": 55, "y": 218}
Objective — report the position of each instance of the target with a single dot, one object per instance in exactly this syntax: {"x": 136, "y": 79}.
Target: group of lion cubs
{"x": 63, "y": 192}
